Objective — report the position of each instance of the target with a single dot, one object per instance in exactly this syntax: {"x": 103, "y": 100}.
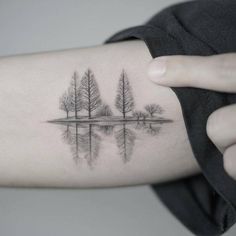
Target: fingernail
{"x": 157, "y": 69}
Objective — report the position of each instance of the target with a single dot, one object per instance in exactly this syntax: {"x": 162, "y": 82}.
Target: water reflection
{"x": 85, "y": 139}
{"x": 125, "y": 139}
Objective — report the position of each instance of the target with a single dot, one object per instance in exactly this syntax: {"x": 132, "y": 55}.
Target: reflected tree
{"x": 139, "y": 125}
{"x": 77, "y": 140}
{"x": 106, "y": 129}
{"x": 67, "y": 135}
{"x": 90, "y": 145}
{"x": 125, "y": 139}
{"x": 152, "y": 129}
{"x": 86, "y": 143}
{"x": 73, "y": 138}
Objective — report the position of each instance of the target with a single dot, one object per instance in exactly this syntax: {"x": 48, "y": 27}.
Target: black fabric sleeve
{"x": 204, "y": 203}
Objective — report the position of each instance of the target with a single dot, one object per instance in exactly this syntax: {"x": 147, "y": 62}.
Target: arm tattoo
{"x": 88, "y": 119}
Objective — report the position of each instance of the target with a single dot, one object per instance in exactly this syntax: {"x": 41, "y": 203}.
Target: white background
{"x": 31, "y": 26}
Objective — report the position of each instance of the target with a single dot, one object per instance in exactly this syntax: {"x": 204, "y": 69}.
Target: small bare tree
{"x": 138, "y": 114}
{"x": 124, "y": 98}
{"x": 65, "y": 103}
{"x": 144, "y": 116}
{"x": 153, "y": 109}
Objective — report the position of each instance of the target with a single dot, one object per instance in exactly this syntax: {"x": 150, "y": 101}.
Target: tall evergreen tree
{"x": 124, "y": 98}
{"x": 75, "y": 96}
{"x": 90, "y": 93}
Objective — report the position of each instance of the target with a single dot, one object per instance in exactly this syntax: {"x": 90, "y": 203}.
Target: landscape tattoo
{"x": 88, "y": 119}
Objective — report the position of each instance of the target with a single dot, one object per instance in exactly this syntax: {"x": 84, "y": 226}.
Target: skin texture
{"x": 211, "y": 72}
{"x": 38, "y": 153}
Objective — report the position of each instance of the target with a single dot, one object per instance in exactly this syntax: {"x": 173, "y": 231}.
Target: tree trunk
{"x": 76, "y": 116}
{"x": 123, "y": 97}
{"x": 89, "y": 114}
{"x": 89, "y": 95}
{"x": 75, "y": 94}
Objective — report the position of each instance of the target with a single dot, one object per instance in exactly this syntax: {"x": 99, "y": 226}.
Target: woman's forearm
{"x": 89, "y": 118}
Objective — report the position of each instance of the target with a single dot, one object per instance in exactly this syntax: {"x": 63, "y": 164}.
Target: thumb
{"x": 209, "y": 72}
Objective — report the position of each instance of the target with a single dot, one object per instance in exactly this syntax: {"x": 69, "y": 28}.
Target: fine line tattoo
{"x": 88, "y": 119}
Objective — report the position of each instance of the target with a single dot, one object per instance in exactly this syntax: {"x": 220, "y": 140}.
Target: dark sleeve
{"x": 204, "y": 203}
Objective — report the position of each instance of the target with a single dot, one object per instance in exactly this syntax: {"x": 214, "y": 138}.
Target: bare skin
{"x": 216, "y": 73}
{"x": 82, "y": 150}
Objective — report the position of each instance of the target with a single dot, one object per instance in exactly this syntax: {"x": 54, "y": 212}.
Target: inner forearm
{"x": 89, "y": 117}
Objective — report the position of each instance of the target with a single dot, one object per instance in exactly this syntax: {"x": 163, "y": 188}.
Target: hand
{"x": 209, "y": 72}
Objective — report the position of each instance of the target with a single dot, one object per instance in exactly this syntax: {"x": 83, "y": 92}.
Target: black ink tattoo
{"x": 125, "y": 141}
{"x": 124, "y": 98}
{"x": 74, "y": 95}
{"x": 84, "y": 132}
{"x": 90, "y": 93}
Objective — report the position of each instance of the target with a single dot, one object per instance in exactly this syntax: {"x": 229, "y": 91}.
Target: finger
{"x": 208, "y": 72}
{"x": 230, "y": 161}
{"x": 221, "y": 127}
